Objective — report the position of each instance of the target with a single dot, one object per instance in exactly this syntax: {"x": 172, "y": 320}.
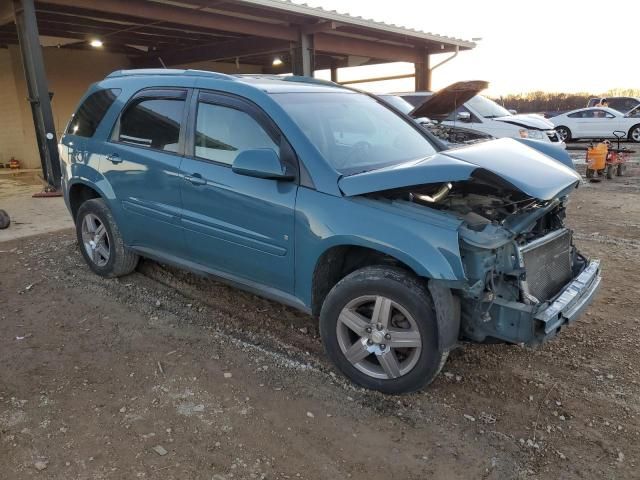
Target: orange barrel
{"x": 597, "y": 156}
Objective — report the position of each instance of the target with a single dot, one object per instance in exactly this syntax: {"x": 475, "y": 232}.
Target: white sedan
{"x": 597, "y": 122}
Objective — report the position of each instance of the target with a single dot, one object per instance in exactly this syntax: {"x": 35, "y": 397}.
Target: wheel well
{"x": 338, "y": 262}
{"x": 78, "y": 194}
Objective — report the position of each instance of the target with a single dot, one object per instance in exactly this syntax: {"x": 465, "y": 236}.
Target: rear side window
{"x": 86, "y": 120}
{"x": 223, "y": 132}
{"x": 153, "y": 123}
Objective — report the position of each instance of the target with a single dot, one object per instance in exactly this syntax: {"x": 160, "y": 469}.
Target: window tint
{"x": 223, "y": 132}
{"x": 152, "y": 123}
{"x": 86, "y": 120}
{"x": 591, "y": 114}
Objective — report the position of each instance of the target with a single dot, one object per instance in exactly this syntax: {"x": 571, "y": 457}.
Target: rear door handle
{"x": 114, "y": 158}
{"x": 195, "y": 179}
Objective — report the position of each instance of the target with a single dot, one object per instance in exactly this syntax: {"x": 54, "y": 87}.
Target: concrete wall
{"x": 70, "y": 72}
{"x": 11, "y": 127}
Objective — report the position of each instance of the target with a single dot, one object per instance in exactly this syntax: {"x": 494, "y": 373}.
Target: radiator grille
{"x": 548, "y": 265}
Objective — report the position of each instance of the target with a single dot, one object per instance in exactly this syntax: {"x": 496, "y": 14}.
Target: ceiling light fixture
{"x": 96, "y": 43}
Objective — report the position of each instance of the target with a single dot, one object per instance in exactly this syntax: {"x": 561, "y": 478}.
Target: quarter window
{"x": 153, "y": 123}
{"x": 89, "y": 115}
{"x": 223, "y": 132}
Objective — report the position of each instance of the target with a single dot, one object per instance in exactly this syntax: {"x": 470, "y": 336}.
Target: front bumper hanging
{"x": 573, "y": 300}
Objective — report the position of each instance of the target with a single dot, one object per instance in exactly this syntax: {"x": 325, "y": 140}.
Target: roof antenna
{"x": 162, "y": 63}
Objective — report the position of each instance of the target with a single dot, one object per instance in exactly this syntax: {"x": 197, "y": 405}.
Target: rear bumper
{"x": 573, "y": 300}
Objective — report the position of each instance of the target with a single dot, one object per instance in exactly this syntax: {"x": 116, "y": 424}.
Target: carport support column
{"x": 302, "y": 56}
{"x": 423, "y": 72}
{"x": 38, "y": 90}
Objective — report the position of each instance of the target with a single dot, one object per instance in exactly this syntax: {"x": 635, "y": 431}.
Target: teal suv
{"x": 333, "y": 202}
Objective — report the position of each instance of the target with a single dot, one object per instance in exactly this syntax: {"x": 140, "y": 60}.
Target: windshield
{"x": 487, "y": 108}
{"x": 398, "y": 102}
{"x": 354, "y": 132}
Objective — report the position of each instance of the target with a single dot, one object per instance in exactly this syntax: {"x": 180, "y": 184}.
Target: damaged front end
{"x": 525, "y": 278}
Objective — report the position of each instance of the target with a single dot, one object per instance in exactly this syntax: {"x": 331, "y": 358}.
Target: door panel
{"x": 595, "y": 123}
{"x": 142, "y": 164}
{"x": 234, "y": 223}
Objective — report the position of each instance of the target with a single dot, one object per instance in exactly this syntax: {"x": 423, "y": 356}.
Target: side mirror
{"x": 424, "y": 121}
{"x": 512, "y": 111}
{"x": 464, "y": 116}
{"x": 260, "y": 163}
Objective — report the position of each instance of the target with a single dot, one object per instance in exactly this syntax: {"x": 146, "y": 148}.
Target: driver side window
{"x": 222, "y": 133}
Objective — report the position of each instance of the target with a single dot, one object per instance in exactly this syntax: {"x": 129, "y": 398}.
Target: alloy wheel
{"x": 635, "y": 134}
{"x": 379, "y": 337}
{"x": 95, "y": 240}
{"x": 563, "y": 133}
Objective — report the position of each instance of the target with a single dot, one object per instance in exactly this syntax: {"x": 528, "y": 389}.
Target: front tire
{"x": 5, "y": 220}
{"x": 100, "y": 241}
{"x": 379, "y": 328}
{"x": 564, "y": 133}
{"x": 634, "y": 133}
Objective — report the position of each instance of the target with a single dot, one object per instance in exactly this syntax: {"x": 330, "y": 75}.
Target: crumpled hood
{"x": 528, "y": 170}
{"x": 532, "y": 121}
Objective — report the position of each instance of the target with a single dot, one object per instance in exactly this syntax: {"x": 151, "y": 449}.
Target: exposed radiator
{"x": 547, "y": 262}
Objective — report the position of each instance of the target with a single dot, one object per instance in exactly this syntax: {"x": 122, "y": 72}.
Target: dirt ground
{"x": 164, "y": 375}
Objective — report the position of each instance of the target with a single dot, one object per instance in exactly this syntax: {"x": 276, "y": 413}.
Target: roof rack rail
{"x": 169, "y": 71}
{"x": 288, "y": 78}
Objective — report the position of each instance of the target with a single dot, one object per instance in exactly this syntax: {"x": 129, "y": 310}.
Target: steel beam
{"x": 303, "y": 55}
{"x": 423, "y": 72}
{"x": 344, "y": 45}
{"x": 215, "y": 52}
{"x": 38, "y": 90}
{"x": 166, "y": 13}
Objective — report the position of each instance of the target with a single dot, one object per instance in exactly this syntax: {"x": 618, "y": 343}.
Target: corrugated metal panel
{"x": 304, "y": 9}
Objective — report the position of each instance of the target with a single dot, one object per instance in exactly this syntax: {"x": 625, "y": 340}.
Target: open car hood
{"x": 524, "y": 168}
{"x": 439, "y": 105}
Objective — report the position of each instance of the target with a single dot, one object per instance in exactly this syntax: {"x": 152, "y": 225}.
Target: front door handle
{"x": 195, "y": 179}
{"x": 114, "y": 158}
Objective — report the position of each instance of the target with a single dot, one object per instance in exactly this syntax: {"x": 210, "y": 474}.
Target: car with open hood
{"x": 460, "y": 104}
{"x": 331, "y": 202}
{"x": 451, "y": 136}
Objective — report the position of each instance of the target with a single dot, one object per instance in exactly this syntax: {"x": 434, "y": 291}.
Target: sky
{"x": 555, "y": 46}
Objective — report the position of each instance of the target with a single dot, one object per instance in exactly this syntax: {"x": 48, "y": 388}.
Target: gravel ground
{"x": 166, "y": 375}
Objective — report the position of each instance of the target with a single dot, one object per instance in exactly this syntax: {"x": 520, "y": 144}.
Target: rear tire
{"x": 100, "y": 241}
{"x": 379, "y": 328}
{"x": 634, "y": 133}
{"x": 589, "y": 173}
{"x": 564, "y": 132}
